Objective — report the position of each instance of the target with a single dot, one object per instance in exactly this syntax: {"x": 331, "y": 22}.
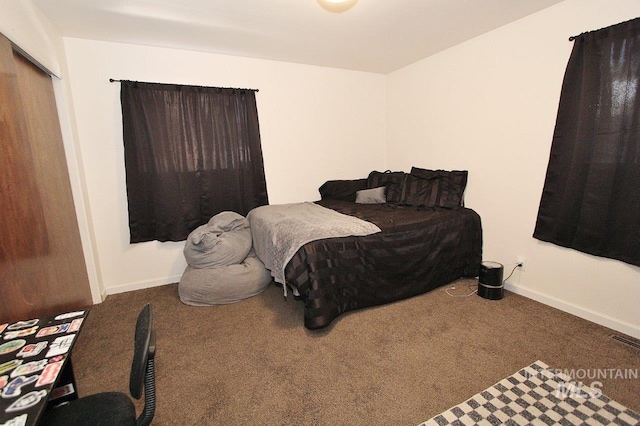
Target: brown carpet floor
{"x": 253, "y": 362}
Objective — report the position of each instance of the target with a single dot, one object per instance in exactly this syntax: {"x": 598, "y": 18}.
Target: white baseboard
{"x": 604, "y": 320}
{"x": 612, "y": 323}
{"x": 142, "y": 285}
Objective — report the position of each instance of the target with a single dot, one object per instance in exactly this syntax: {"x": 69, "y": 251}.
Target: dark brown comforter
{"x": 417, "y": 251}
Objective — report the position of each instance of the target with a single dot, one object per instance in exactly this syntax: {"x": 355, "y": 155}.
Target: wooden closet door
{"x": 42, "y": 267}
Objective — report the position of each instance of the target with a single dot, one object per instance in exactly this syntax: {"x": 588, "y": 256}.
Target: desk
{"x": 35, "y": 365}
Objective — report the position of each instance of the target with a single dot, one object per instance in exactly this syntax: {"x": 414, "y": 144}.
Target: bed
{"x": 413, "y": 238}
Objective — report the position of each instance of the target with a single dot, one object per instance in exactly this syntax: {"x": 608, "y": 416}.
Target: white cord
{"x": 462, "y": 295}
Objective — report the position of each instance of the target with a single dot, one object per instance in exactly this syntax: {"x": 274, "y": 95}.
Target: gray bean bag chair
{"x": 222, "y": 268}
{"x": 223, "y": 285}
{"x": 224, "y": 240}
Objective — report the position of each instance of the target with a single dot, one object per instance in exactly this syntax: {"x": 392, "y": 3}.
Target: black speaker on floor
{"x": 490, "y": 284}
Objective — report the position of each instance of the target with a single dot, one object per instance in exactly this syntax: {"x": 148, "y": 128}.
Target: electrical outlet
{"x": 521, "y": 262}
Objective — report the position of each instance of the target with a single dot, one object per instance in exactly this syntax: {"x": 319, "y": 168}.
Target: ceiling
{"x": 377, "y": 36}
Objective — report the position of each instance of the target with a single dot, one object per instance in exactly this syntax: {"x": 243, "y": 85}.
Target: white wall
{"x": 316, "y": 124}
{"x": 489, "y": 105}
{"x": 24, "y": 24}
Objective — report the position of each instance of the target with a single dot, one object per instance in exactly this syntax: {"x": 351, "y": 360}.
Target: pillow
{"x": 421, "y": 192}
{"x": 371, "y": 196}
{"x": 451, "y": 185}
{"x": 344, "y": 190}
{"x": 393, "y": 181}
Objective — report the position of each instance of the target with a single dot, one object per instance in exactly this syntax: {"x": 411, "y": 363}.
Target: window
{"x": 590, "y": 201}
{"x": 190, "y": 153}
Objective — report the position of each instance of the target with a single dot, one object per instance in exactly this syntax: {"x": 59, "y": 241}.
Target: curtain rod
{"x": 113, "y": 80}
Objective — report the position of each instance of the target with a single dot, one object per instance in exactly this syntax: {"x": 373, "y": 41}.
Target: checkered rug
{"x": 537, "y": 394}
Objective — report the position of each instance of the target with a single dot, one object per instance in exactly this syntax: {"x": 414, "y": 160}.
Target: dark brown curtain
{"x": 591, "y": 196}
{"x": 190, "y": 153}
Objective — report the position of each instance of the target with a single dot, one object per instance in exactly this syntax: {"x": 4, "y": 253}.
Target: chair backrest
{"x": 142, "y": 366}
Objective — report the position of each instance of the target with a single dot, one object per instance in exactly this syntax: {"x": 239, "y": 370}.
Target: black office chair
{"x": 116, "y": 408}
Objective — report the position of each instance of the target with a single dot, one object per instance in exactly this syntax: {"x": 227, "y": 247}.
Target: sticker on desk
{"x": 32, "y": 349}
{"x": 54, "y": 329}
{"x": 21, "y": 420}
{"x": 14, "y": 388}
{"x": 49, "y": 374}
{"x": 75, "y": 325}
{"x": 69, "y": 315}
{"x": 26, "y": 401}
{"x": 56, "y": 358}
{"x": 10, "y": 365}
{"x": 29, "y": 368}
{"x": 3, "y": 381}
{"x": 60, "y": 345}
{"x": 61, "y": 391}
{"x": 19, "y": 333}
{"x": 23, "y": 324}
{"x": 11, "y": 346}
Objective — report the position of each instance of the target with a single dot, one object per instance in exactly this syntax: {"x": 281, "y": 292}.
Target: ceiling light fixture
{"x": 337, "y": 6}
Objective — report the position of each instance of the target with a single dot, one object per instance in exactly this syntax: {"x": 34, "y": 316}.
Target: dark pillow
{"x": 451, "y": 185}
{"x": 393, "y": 181}
{"x": 344, "y": 190}
{"x": 421, "y": 192}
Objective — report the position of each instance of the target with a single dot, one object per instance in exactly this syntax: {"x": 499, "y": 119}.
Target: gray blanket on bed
{"x": 278, "y": 231}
